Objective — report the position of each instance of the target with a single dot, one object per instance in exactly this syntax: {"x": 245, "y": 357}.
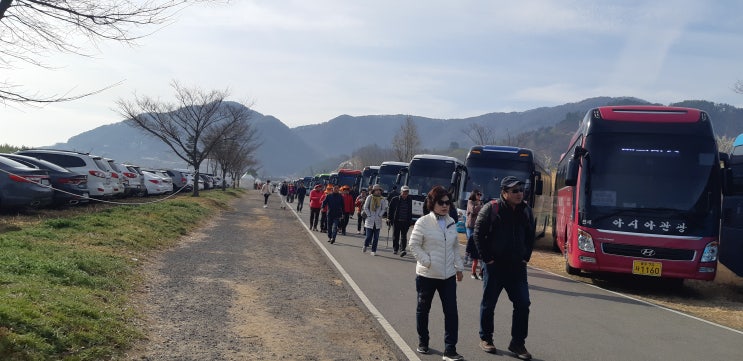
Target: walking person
{"x": 435, "y": 245}
{"x": 504, "y": 236}
{"x": 401, "y": 217}
{"x": 315, "y": 205}
{"x": 266, "y": 191}
{"x": 374, "y": 207}
{"x": 324, "y": 209}
{"x": 284, "y": 192}
{"x": 348, "y": 207}
{"x": 360, "y": 199}
{"x": 301, "y": 193}
{"x": 334, "y": 202}
{"x": 474, "y": 204}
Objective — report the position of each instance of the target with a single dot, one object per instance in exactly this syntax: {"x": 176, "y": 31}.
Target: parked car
{"x": 155, "y": 184}
{"x": 99, "y": 178}
{"x": 22, "y": 186}
{"x": 69, "y": 187}
{"x": 167, "y": 180}
{"x": 136, "y": 178}
{"x": 208, "y": 181}
{"x": 116, "y": 179}
{"x": 182, "y": 179}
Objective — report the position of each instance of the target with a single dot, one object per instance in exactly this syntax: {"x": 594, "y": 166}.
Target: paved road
{"x": 569, "y": 320}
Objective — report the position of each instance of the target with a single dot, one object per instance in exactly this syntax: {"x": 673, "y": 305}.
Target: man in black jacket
{"x": 400, "y": 214}
{"x": 334, "y": 201}
{"x": 504, "y": 236}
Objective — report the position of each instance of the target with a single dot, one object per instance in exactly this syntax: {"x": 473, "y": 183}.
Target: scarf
{"x": 376, "y": 202}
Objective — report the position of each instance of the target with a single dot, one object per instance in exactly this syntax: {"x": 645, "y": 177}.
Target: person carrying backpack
{"x": 504, "y": 236}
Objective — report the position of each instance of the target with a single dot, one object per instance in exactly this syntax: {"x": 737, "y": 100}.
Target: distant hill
{"x": 287, "y": 152}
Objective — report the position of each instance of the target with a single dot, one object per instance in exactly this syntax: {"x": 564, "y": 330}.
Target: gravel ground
{"x": 253, "y": 285}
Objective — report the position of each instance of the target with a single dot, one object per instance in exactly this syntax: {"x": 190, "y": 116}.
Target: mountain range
{"x": 293, "y": 152}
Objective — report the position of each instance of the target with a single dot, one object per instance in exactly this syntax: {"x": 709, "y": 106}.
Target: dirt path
{"x": 253, "y": 286}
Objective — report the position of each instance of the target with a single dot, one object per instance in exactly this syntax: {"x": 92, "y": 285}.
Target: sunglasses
{"x": 444, "y": 203}
{"x": 516, "y": 190}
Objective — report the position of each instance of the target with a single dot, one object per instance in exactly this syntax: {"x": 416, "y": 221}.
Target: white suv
{"x": 99, "y": 178}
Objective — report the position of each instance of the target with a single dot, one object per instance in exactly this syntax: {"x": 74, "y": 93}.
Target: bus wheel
{"x": 568, "y": 268}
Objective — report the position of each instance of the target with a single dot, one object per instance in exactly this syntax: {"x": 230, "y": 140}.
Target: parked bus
{"x": 488, "y": 164}
{"x": 731, "y": 239}
{"x": 346, "y": 177}
{"x": 639, "y": 192}
{"x": 387, "y": 175}
{"x": 425, "y": 171}
{"x": 368, "y": 175}
{"x": 321, "y": 179}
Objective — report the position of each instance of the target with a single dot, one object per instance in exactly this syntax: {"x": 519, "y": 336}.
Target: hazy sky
{"x": 306, "y": 62}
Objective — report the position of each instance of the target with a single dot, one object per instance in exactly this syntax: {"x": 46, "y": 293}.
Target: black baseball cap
{"x": 510, "y": 181}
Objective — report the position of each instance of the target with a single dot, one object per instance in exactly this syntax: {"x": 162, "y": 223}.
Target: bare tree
{"x": 235, "y": 153}
{"x": 738, "y": 87}
{"x": 406, "y": 142}
{"x": 371, "y": 155}
{"x": 480, "y": 134}
{"x": 192, "y": 127}
{"x": 725, "y": 143}
{"x": 33, "y": 28}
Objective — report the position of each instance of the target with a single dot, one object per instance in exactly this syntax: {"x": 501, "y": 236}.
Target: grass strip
{"x": 66, "y": 283}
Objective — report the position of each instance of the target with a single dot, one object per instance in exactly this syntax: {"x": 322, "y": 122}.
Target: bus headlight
{"x": 710, "y": 252}
{"x": 585, "y": 242}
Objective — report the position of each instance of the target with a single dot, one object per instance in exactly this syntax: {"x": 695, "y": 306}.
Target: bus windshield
{"x": 485, "y": 175}
{"x": 653, "y": 171}
{"x": 423, "y": 174}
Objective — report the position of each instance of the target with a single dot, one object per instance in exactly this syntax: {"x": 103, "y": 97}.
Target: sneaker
{"x": 422, "y": 349}
{"x": 520, "y": 352}
{"x": 358, "y": 232}
{"x": 394, "y": 252}
{"x": 452, "y": 356}
{"x": 265, "y": 206}
{"x": 403, "y": 253}
{"x": 374, "y": 253}
{"x": 487, "y": 346}
{"x": 363, "y": 250}
{"x": 332, "y": 241}
{"x": 474, "y": 276}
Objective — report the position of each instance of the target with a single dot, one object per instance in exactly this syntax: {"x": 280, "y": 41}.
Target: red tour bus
{"x": 639, "y": 191}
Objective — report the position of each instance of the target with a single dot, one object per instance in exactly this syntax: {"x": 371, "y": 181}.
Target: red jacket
{"x": 347, "y": 203}
{"x": 316, "y": 198}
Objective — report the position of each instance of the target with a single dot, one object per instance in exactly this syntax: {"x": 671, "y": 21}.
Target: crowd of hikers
{"x": 500, "y": 234}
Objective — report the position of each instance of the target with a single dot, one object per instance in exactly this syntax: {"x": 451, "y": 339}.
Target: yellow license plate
{"x": 647, "y": 268}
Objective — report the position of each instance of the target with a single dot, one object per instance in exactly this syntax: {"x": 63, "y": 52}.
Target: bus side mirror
{"x": 726, "y": 173}
{"x": 538, "y": 187}
{"x": 571, "y": 178}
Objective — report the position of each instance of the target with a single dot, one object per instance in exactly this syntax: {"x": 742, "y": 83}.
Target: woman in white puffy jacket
{"x": 439, "y": 267}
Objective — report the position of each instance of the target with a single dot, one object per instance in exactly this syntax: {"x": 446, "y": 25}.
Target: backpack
{"x": 493, "y": 210}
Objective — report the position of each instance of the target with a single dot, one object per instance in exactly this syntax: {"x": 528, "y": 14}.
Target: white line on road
{"x": 409, "y": 353}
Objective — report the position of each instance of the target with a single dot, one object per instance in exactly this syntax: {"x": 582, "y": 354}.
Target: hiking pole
{"x": 388, "y": 234}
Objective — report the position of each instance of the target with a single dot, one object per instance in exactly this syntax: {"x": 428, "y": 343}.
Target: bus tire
{"x": 568, "y": 268}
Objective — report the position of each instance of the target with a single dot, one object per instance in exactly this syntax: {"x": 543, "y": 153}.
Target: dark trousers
{"x": 323, "y": 221}
{"x": 360, "y": 221}
{"x": 400, "y": 232}
{"x": 314, "y": 217}
{"x": 372, "y": 237}
{"x": 512, "y": 278}
{"x": 344, "y": 222}
{"x": 265, "y": 199}
{"x": 300, "y": 203}
{"x": 332, "y": 227}
{"x": 426, "y": 287}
